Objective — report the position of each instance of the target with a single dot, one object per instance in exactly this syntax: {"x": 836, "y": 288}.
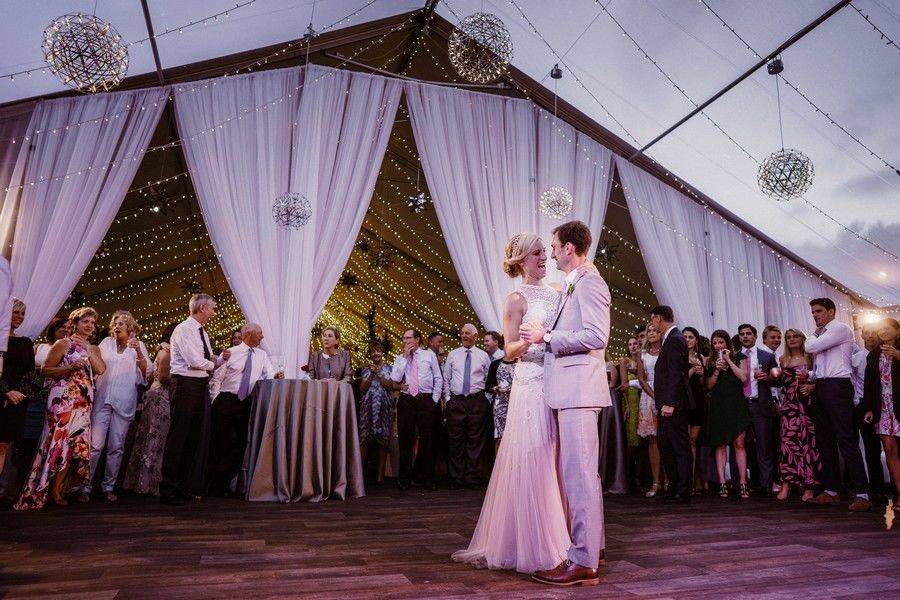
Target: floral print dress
{"x": 376, "y": 410}
{"x": 799, "y": 456}
{"x": 144, "y": 470}
{"x": 68, "y": 439}
{"x": 888, "y": 424}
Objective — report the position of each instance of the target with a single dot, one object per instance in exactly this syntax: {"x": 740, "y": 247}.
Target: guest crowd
{"x": 727, "y": 415}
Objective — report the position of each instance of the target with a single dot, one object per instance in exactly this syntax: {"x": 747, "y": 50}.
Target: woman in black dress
{"x": 697, "y": 381}
{"x": 16, "y": 385}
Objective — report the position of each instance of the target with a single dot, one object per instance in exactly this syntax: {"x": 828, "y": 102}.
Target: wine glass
{"x": 277, "y": 364}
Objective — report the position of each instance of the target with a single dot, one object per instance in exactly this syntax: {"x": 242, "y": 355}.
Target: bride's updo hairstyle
{"x": 517, "y": 248}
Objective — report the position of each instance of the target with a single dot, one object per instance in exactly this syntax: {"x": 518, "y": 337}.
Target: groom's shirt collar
{"x": 571, "y": 276}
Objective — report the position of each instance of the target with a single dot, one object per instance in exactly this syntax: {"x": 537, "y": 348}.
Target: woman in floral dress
{"x": 647, "y": 419}
{"x": 799, "y": 456}
{"x": 145, "y": 465}
{"x": 376, "y": 407}
{"x": 62, "y": 463}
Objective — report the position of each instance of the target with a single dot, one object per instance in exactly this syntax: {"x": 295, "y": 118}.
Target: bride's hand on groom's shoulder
{"x": 587, "y": 267}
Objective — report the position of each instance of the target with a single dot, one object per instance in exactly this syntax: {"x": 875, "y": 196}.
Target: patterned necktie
{"x": 467, "y": 374}
{"x": 244, "y": 388}
{"x": 412, "y": 375}
{"x": 748, "y": 386}
{"x": 206, "y": 353}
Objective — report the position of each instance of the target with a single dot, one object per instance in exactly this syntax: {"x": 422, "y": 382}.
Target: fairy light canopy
{"x": 158, "y": 241}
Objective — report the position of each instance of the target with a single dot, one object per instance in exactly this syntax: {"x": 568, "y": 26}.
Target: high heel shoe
{"x": 723, "y": 490}
{"x": 745, "y": 491}
{"x": 654, "y": 489}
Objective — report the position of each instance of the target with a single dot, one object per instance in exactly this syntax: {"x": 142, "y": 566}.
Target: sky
{"x": 843, "y": 67}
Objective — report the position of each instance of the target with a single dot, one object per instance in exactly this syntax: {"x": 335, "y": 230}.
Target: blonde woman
{"x": 17, "y": 383}
{"x": 647, "y": 416}
{"x": 115, "y": 402}
{"x": 63, "y": 462}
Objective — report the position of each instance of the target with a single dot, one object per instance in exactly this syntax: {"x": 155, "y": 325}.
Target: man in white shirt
{"x": 419, "y": 374}
{"x": 230, "y": 389}
{"x": 493, "y": 345}
{"x": 190, "y": 365}
{"x": 465, "y": 372}
{"x": 832, "y": 406}
{"x": 761, "y": 402}
{"x": 871, "y": 442}
{"x": 6, "y": 304}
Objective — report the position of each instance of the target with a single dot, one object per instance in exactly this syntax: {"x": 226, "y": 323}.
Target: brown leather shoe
{"x": 824, "y": 499}
{"x": 860, "y": 505}
{"x": 568, "y": 573}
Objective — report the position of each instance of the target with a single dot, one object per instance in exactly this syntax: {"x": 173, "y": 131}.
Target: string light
{"x": 884, "y": 37}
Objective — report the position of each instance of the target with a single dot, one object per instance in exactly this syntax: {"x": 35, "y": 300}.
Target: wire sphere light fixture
{"x": 480, "y": 48}
{"x": 292, "y": 210}
{"x": 787, "y": 173}
{"x": 556, "y": 201}
{"x": 85, "y": 52}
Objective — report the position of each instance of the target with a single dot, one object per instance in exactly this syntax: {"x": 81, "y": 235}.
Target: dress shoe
{"x": 684, "y": 499}
{"x": 566, "y": 574}
{"x": 824, "y": 499}
{"x": 860, "y": 504}
{"x": 111, "y": 497}
{"x": 173, "y": 500}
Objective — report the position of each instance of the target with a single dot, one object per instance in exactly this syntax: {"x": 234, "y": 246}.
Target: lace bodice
{"x": 543, "y": 302}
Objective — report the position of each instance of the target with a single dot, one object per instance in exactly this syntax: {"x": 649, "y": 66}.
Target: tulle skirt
{"x": 523, "y": 523}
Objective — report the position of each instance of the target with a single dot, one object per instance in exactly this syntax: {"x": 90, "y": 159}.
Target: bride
{"x": 523, "y": 524}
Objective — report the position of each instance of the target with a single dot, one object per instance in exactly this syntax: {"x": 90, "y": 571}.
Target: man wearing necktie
{"x": 184, "y": 459}
{"x": 418, "y": 375}
{"x": 230, "y": 389}
{"x": 465, "y": 372}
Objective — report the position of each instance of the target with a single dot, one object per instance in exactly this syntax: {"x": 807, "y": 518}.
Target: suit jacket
{"x": 671, "y": 385}
{"x": 872, "y": 392}
{"x": 575, "y": 367}
{"x": 766, "y": 361}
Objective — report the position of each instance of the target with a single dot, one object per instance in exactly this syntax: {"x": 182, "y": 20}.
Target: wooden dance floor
{"x": 396, "y": 545}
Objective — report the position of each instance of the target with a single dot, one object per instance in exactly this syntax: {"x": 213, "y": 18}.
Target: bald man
{"x": 467, "y": 409}
{"x": 230, "y": 389}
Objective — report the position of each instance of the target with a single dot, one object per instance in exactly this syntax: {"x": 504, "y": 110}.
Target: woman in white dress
{"x": 647, "y": 418}
{"x": 523, "y": 524}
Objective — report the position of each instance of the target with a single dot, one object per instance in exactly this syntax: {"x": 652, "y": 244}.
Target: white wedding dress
{"x": 523, "y": 523}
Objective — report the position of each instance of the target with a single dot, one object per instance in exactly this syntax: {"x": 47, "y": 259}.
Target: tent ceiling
{"x": 842, "y": 65}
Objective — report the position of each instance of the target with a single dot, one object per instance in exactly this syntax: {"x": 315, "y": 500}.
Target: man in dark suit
{"x": 672, "y": 394}
{"x": 761, "y": 401}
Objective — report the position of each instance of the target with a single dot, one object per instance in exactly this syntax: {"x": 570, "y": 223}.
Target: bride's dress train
{"x": 523, "y": 524}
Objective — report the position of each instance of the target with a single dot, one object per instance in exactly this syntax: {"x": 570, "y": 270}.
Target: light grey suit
{"x": 575, "y": 385}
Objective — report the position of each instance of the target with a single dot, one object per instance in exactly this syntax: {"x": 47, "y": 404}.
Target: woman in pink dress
{"x": 63, "y": 462}
{"x": 523, "y": 524}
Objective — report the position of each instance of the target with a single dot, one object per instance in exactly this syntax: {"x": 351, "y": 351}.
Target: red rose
{"x": 305, "y": 368}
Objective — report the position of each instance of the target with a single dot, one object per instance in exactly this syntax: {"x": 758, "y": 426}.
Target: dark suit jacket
{"x": 766, "y": 361}
{"x": 670, "y": 380}
{"x": 872, "y": 385}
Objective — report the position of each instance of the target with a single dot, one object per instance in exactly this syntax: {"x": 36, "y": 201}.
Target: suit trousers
{"x": 184, "y": 445}
{"x": 230, "y": 418}
{"x": 872, "y": 448}
{"x": 416, "y": 413}
{"x": 675, "y": 448}
{"x": 579, "y": 451}
{"x": 763, "y": 428}
{"x": 467, "y": 423}
{"x": 832, "y": 412}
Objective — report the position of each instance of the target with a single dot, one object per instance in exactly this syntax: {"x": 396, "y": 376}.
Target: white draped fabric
{"x": 80, "y": 177}
{"x": 322, "y": 134}
{"x": 713, "y": 275}
{"x": 13, "y": 125}
{"x": 487, "y": 159}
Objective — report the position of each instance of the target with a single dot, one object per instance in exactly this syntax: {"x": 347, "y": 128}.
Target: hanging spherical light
{"x": 292, "y": 210}
{"x": 786, "y": 174}
{"x": 416, "y": 204}
{"x": 556, "y": 202}
{"x": 85, "y": 52}
{"x": 480, "y": 48}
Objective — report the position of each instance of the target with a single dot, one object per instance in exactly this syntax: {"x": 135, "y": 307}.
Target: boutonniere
{"x": 570, "y": 289}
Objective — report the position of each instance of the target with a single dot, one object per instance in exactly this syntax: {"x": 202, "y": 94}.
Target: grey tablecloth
{"x": 303, "y": 444}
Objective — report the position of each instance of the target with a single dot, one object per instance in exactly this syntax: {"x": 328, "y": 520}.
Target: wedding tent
{"x": 139, "y": 197}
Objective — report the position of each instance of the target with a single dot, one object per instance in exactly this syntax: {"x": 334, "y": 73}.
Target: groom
{"x": 575, "y": 386}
